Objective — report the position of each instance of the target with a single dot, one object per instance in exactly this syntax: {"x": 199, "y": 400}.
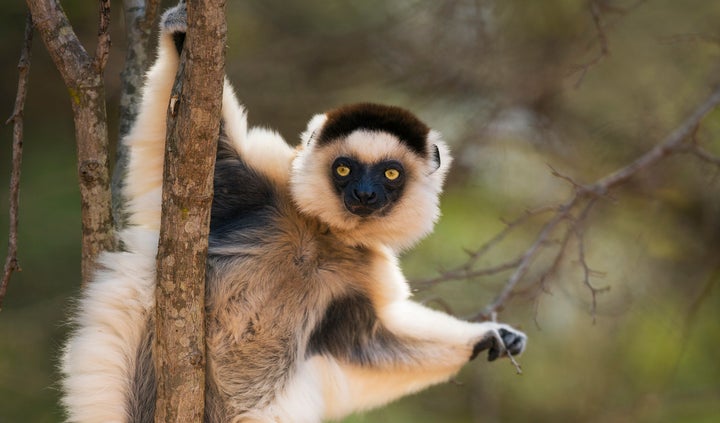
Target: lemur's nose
{"x": 365, "y": 197}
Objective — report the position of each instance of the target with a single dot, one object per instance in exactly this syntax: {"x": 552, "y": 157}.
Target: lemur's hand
{"x": 174, "y": 20}
{"x": 500, "y": 341}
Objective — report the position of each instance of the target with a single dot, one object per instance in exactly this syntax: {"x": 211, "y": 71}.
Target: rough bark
{"x": 83, "y": 77}
{"x": 140, "y": 17}
{"x": 193, "y": 129}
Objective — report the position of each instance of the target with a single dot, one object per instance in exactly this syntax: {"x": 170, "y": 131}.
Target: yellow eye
{"x": 392, "y": 174}
{"x": 342, "y": 170}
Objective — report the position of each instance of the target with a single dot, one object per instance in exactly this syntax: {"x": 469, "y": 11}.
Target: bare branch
{"x": 62, "y": 43}
{"x": 83, "y": 77}
{"x": 671, "y": 144}
{"x": 466, "y": 271}
{"x": 693, "y": 147}
{"x": 602, "y": 40}
{"x": 597, "y": 8}
{"x": 11, "y": 261}
{"x": 463, "y": 273}
{"x": 526, "y": 259}
{"x": 446, "y": 307}
{"x": 102, "y": 50}
{"x": 513, "y": 361}
{"x": 691, "y": 37}
{"x": 704, "y": 155}
{"x": 584, "y": 196}
{"x": 587, "y": 272}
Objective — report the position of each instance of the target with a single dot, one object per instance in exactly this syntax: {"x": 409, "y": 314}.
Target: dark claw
{"x": 513, "y": 342}
{"x": 485, "y": 343}
{"x": 494, "y": 353}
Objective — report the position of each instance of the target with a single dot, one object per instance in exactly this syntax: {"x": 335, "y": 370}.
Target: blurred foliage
{"x": 500, "y": 80}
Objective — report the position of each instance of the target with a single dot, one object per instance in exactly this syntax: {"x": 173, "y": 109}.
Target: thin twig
{"x": 446, "y": 307}
{"x": 704, "y": 155}
{"x": 462, "y": 273}
{"x": 526, "y": 259}
{"x": 690, "y": 37}
{"x": 587, "y": 272}
{"x": 102, "y": 50}
{"x": 672, "y": 144}
{"x": 602, "y": 39}
{"x": 541, "y": 282}
{"x": 554, "y": 172}
{"x": 465, "y": 271}
{"x": 518, "y": 367}
{"x": 11, "y": 261}
{"x": 597, "y": 7}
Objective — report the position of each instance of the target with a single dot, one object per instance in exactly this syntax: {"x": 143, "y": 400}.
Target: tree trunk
{"x": 193, "y": 130}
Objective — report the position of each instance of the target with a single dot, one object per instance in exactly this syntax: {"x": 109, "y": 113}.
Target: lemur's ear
{"x": 313, "y": 128}
{"x": 435, "y": 157}
{"x": 439, "y": 158}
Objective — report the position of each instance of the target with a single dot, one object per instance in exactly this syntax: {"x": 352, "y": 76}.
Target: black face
{"x": 367, "y": 189}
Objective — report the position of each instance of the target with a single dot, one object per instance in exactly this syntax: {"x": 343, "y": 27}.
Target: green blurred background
{"x": 499, "y": 79}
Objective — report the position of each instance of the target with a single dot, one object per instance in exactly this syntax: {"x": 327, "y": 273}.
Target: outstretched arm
{"x": 370, "y": 351}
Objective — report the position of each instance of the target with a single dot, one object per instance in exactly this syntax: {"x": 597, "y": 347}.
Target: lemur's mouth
{"x": 360, "y": 210}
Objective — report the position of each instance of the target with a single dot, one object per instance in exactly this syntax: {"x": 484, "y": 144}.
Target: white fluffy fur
{"x": 324, "y": 388}
{"x": 98, "y": 358}
{"x": 146, "y": 141}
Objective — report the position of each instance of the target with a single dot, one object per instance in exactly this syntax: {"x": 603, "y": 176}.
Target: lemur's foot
{"x": 501, "y": 342}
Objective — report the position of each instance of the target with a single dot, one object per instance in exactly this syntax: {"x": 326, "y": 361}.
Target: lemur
{"x": 309, "y": 316}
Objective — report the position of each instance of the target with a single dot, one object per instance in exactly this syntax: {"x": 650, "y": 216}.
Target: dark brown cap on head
{"x": 397, "y": 121}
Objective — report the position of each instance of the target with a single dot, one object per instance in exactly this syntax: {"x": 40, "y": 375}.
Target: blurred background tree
{"x": 515, "y": 87}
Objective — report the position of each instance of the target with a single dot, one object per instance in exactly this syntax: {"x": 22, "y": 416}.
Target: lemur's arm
{"x": 146, "y": 139}
{"x": 263, "y": 149}
{"x": 376, "y": 348}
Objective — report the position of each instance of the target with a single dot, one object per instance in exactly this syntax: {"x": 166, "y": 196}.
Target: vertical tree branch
{"x": 102, "y": 50}
{"x": 83, "y": 76}
{"x": 140, "y": 17}
{"x": 193, "y": 130}
{"x": 11, "y": 261}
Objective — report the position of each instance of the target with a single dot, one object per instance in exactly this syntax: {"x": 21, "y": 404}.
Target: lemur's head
{"x": 373, "y": 173}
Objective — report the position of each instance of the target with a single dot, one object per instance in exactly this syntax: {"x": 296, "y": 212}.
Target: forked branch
{"x": 83, "y": 77}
